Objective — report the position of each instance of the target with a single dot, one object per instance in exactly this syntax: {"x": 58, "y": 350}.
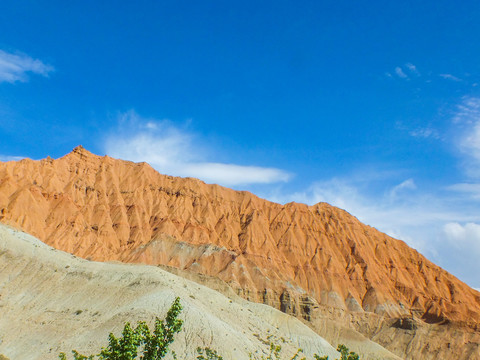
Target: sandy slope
{"x": 51, "y": 301}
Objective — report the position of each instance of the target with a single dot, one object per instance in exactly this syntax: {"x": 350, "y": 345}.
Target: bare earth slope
{"x": 52, "y": 301}
{"x": 295, "y": 257}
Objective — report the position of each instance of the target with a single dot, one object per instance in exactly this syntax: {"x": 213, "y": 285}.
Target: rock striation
{"x": 294, "y": 257}
{"x": 59, "y": 302}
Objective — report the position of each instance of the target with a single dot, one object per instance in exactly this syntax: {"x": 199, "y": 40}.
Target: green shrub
{"x": 346, "y": 355}
{"x": 207, "y": 354}
{"x": 143, "y": 344}
{"x": 152, "y": 345}
{"x": 275, "y": 352}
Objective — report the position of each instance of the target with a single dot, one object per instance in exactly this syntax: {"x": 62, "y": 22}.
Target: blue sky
{"x": 373, "y": 107}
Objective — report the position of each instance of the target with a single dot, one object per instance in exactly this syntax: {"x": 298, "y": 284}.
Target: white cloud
{"x": 6, "y": 158}
{"x": 468, "y": 111}
{"x": 464, "y": 236}
{"x": 467, "y": 122}
{"x": 470, "y": 142}
{"x": 397, "y": 190}
{"x": 426, "y": 133}
{"x": 175, "y": 151}
{"x": 450, "y": 77}
{"x": 14, "y": 67}
{"x": 400, "y": 73}
{"x": 412, "y": 68}
{"x": 151, "y": 125}
{"x": 231, "y": 174}
{"x": 390, "y": 208}
{"x": 472, "y": 190}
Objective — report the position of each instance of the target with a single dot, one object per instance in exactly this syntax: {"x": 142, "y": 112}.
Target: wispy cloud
{"x": 450, "y": 77}
{"x": 424, "y": 132}
{"x": 15, "y": 67}
{"x": 409, "y": 70}
{"x": 400, "y": 73}
{"x": 397, "y": 190}
{"x": 472, "y": 190}
{"x": 470, "y": 142}
{"x": 427, "y": 132}
{"x": 468, "y": 111}
{"x": 176, "y": 151}
{"x": 6, "y": 158}
{"x": 467, "y": 121}
{"x": 465, "y": 236}
{"x": 404, "y": 71}
{"x": 412, "y": 68}
{"x": 390, "y": 208}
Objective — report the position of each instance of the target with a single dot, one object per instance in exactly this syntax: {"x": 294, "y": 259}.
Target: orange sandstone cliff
{"x": 288, "y": 256}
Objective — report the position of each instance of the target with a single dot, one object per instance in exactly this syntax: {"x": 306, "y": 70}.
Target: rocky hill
{"x": 53, "y": 302}
{"x": 303, "y": 260}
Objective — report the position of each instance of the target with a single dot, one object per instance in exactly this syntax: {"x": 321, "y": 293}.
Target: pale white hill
{"x": 51, "y": 301}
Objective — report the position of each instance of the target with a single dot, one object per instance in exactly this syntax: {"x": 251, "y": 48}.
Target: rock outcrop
{"x": 53, "y": 302}
{"x": 294, "y": 257}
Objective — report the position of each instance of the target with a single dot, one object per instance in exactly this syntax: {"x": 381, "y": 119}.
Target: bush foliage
{"x": 140, "y": 342}
{"x": 143, "y": 344}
